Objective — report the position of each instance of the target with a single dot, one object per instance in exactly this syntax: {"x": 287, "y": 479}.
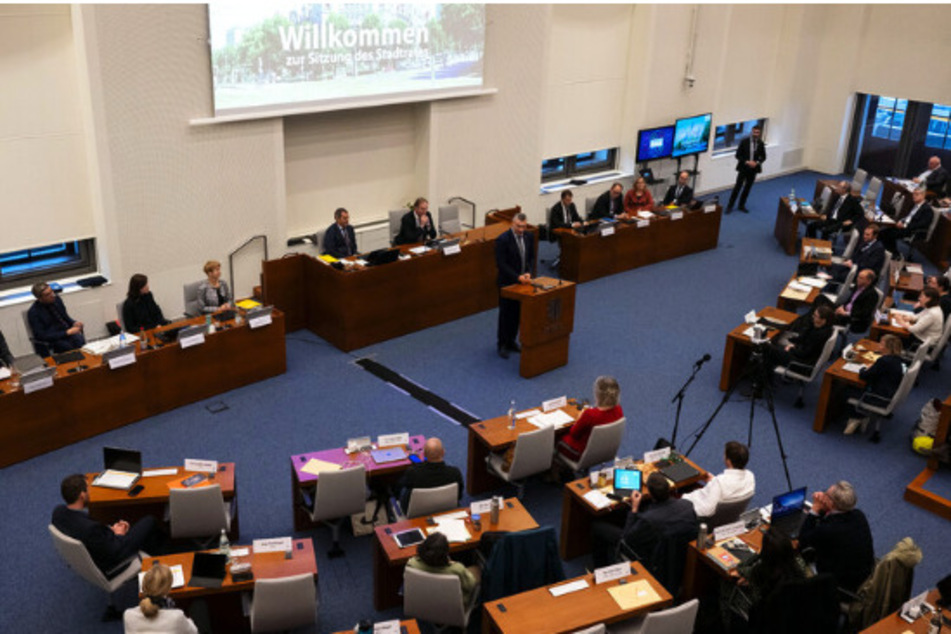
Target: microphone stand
{"x": 679, "y": 398}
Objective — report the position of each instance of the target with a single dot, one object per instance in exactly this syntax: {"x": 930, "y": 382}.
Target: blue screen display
{"x": 692, "y": 135}
{"x": 655, "y": 143}
{"x": 629, "y": 479}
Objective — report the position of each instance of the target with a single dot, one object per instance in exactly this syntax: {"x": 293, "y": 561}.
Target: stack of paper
{"x": 796, "y": 291}
{"x": 454, "y": 530}
{"x": 634, "y": 595}
{"x": 316, "y": 467}
{"x": 597, "y": 499}
{"x": 178, "y": 577}
{"x": 813, "y": 282}
{"x": 646, "y": 215}
{"x": 555, "y": 418}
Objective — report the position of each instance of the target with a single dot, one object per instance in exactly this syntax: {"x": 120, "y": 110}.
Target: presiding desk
{"x": 225, "y": 603}
{"x": 82, "y": 403}
{"x": 389, "y": 559}
{"x": 380, "y": 475}
{"x": 588, "y": 257}
{"x": 837, "y": 379}
{"x": 111, "y": 505}
{"x": 739, "y": 346}
{"x": 539, "y": 611}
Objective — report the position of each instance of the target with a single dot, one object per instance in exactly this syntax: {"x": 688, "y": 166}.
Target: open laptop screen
{"x": 788, "y": 503}
{"x": 122, "y": 459}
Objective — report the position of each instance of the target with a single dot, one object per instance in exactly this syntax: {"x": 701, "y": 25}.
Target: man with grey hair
{"x": 680, "y": 193}
{"x": 935, "y": 178}
{"x": 840, "y": 536}
{"x": 515, "y": 258}
{"x": 845, "y": 211}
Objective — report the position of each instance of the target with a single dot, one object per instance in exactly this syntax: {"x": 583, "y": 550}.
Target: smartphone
{"x": 134, "y": 491}
{"x": 414, "y": 458}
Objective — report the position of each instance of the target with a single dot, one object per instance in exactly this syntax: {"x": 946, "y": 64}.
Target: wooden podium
{"x": 547, "y": 319}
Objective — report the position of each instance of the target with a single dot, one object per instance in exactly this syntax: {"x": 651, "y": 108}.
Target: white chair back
{"x": 850, "y": 247}
{"x": 874, "y": 187}
{"x": 395, "y": 216}
{"x": 942, "y": 342}
{"x": 907, "y": 382}
{"x": 603, "y": 444}
{"x": 675, "y": 620}
{"x": 76, "y": 556}
{"x": 199, "y": 512}
{"x": 886, "y": 267}
{"x": 190, "y": 293}
{"x": 846, "y": 289}
{"x": 119, "y": 316}
{"x": 898, "y": 201}
{"x": 533, "y": 453}
{"x": 824, "y": 199}
{"x": 340, "y": 493}
{"x": 858, "y": 181}
{"x": 432, "y": 597}
{"x": 284, "y": 603}
{"x": 432, "y": 500}
{"x": 449, "y": 220}
{"x": 935, "y": 217}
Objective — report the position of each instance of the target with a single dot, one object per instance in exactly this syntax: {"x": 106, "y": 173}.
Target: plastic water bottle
{"x": 512, "y": 414}
{"x": 209, "y": 325}
{"x": 224, "y": 545}
{"x": 792, "y": 195}
{"x": 122, "y": 341}
{"x": 702, "y": 537}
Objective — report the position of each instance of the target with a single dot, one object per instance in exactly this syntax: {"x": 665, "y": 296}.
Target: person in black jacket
{"x": 139, "y": 310}
{"x": 609, "y": 204}
{"x": 434, "y": 472}
{"x": 680, "y": 193}
{"x": 935, "y": 178}
{"x": 840, "y": 536}
{"x": 882, "y": 380}
{"x": 857, "y": 310}
{"x": 564, "y": 215}
{"x": 6, "y": 357}
{"x": 868, "y": 254}
{"x": 417, "y": 225}
{"x": 50, "y": 322}
{"x": 845, "y": 211}
{"x": 804, "y": 347}
{"x": 515, "y": 259}
{"x": 915, "y": 224}
{"x": 750, "y": 156}
{"x": 340, "y": 241}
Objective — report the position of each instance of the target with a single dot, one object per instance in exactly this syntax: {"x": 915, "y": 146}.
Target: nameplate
{"x": 192, "y": 340}
{"x": 272, "y": 545}
{"x": 640, "y": 224}
{"x": 750, "y": 317}
{"x": 709, "y": 209}
{"x": 391, "y": 440}
{"x": 657, "y": 454}
{"x": 127, "y": 357}
{"x": 676, "y": 215}
{"x": 607, "y": 231}
{"x": 39, "y": 384}
{"x": 481, "y": 507}
{"x": 359, "y": 444}
{"x": 728, "y": 530}
{"x": 555, "y": 403}
{"x": 452, "y": 249}
{"x": 387, "y": 627}
{"x": 610, "y": 573}
{"x": 203, "y": 466}
{"x": 260, "y": 321}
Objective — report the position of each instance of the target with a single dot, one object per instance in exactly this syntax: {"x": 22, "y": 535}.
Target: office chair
{"x": 449, "y": 222}
{"x": 284, "y": 603}
{"x": 339, "y": 495}
{"x": 40, "y": 347}
{"x": 396, "y": 217}
{"x": 727, "y": 512}
{"x": 849, "y": 249}
{"x": 858, "y": 181}
{"x": 190, "y": 293}
{"x": 432, "y": 500}
{"x": 915, "y": 237}
{"x": 603, "y": 445}
{"x": 533, "y": 454}
{"x": 200, "y": 513}
{"x": 804, "y": 374}
{"x": 674, "y": 620}
{"x": 876, "y": 408}
{"x": 874, "y": 188}
{"x": 436, "y": 598}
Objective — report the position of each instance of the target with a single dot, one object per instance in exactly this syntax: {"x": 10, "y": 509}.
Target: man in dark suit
{"x": 434, "y": 472}
{"x": 417, "y": 225}
{"x": 845, "y": 211}
{"x": 340, "y": 241}
{"x": 515, "y": 259}
{"x": 6, "y": 357}
{"x": 609, "y": 204}
{"x": 858, "y": 309}
{"x": 646, "y": 523}
{"x": 564, "y": 215}
{"x": 840, "y": 536}
{"x": 750, "y": 156}
{"x": 868, "y": 254}
{"x": 935, "y": 178}
{"x": 915, "y": 224}
{"x": 50, "y": 322}
{"x": 680, "y": 193}
{"x": 108, "y": 546}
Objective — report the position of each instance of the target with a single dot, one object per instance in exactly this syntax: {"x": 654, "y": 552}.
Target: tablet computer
{"x": 410, "y": 537}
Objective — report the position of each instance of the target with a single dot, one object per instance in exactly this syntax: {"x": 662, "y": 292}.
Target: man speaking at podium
{"x": 514, "y": 257}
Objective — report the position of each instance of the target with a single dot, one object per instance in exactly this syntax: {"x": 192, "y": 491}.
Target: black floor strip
{"x": 418, "y": 392}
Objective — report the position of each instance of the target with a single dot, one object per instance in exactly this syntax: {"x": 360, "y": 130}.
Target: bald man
{"x": 434, "y": 472}
{"x": 935, "y": 178}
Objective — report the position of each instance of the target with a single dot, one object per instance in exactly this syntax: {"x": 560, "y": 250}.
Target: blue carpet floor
{"x": 647, "y": 327}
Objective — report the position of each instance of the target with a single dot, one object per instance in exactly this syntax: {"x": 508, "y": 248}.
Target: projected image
{"x": 692, "y": 135}
{"x": 275, "y": 54}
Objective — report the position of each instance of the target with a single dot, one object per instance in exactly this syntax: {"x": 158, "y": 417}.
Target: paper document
{"x": 316, "y": 467}
{"x": 646, "y": 215}
{"x": 796, "y": 294}
{"x": 556, "y": 419}
{"x": 4, "y": 373}
{"x": 565, "y": 588}
{"x": 178, "y": 577}
{"x": 152, "y": 473}
{"x": 419, "y": 250}
{"x": 798, "y": 285}
{"x": 813, "y": 282}
{"x": 597, "y": 499}
{"x": 115, "y": 479}
{"x": 454, "y": 530}
{"x": 634, "y": 595}
{"x": 103, "y": 346}
{"x": 914, "y": 268}
{"x": 455, "y": 516}
{"x": 853, "y": 367}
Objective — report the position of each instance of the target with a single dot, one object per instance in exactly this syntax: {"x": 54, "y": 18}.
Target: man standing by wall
{"x": 750, "y": 156}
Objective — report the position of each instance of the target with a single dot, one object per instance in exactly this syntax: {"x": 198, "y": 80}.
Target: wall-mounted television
{"x": 655, "y": 143}
{"x": 692, "y": 135}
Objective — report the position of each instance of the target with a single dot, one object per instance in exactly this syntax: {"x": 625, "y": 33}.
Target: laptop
{"x": 382, "y": 456}
{"x": 626, "y": 481}
{"x": 788, "y": 512}
{"x": 28, "y": 363}
{"x": 169, "y": 335}
{"x": 224, "y": 315}
{"x": 122, "y": 468}
{"x": 382, "y": 256}
{"x": 208, "y": 570}
{"x": 68, "y": 357}
{"x": 678, "y": 472}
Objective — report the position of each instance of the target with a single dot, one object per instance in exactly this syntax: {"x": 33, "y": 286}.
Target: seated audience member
{"x": 340, "y": 241}
{"x": 803, "y": 322}
{"x": 840, "y": 536}
{"x": 638, "y": 198}
{"x": 734, "y": 484}
{"x": 845, "y": 211}
{"x": 776, "y": 563}
{"x": 417, "y": 225}
{"x": 804, "y": 347}
{"x": 607, "y": 409}
{"x": 50, "y": 322}
{"x": 928, "y": 324}
{"x": 916, "y": 223}
{"x": 6, "y": 357}
{"x": 433, "y": 556}
{"x": 213, "y": 292}
{"x": 564, "y": 215}
{"x": 857, "y": 310}
{"x": 680, "y": 193}
{"x": 881, "y": 379}
{"x": 662, "y": 517}
{"x": 433, "y": 472}
{"x": 108, "y": 546}
{"x": 935, "y": 178}
{"x": 156, "y": 612}
{"x": 869, "y": 254}
{"x": 609, "y": 204}
{"x": 139, "y": 310}
{"x": 943, "y": 285}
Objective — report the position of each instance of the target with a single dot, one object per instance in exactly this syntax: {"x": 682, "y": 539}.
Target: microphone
{"x": 700, "y": 362}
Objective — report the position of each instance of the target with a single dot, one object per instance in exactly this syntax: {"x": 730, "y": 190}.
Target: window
{"x": 579, "y": 164}
{"x": 937, "y": 136}
{"x": 727, "y": 137}
{"x": 889, "y": 118}
{"x": 29, "y": 266}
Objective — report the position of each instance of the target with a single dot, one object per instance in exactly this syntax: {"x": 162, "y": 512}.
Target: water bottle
{"x": 122, "y": 339}
{"x": 143, "y": 340}
{"x": 702, "y": 537}
{"x": 792, "y": 195}
{"x": 494, "y": 511}
{"x": 935, "y": 626}
{"x": 209, "y": 325}
{"x": 512, "y": 414}
{"x": 224, "y": 545}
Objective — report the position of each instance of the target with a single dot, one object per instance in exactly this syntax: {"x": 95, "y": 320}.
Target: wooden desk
{"x": 894, "y": 624}
{"x": 409, "y": 626}
{"x": 111, "y": 505}
{"x": 822, "y": 183}
{"x": 739, "y": 347}
{"x": 907, "y": 283}
{"x": 224, "y": 603}
{"x": 83, "y": 404}
{"x": 389, "y": 559}
{"x": 538, "y": 611}
{"x": 494, "y": 436}
{"x": 588, "y": 257}
{"x": 786, "y": 228}
{"x": 792, "y": 304}
{"x": 547, "y": 317}
{"x": 890, "y": 187}
{"x": 915, "y": 492}
{"x": 815, "y": 243}
{"x": 702, "y": 571}
{"x": 878, "y": 330}
{"x": 834, "y": 381}
{"x": 577, "y": 514}
{"x": 379, "y": 474}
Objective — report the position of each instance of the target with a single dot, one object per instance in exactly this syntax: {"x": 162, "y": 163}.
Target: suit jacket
{"x": 427, "y": 475}
{"x": 937, "y": 180}
{"x": 208, "y": 298}
{"x": 808, "y": 345}
{"x": 410, "y": 233}
{"x": 869, "y": 256}
{"x": 106, "y": 548}
{"x": 743, "y": 155}
{"x": 885, "y": 375}
{"x": 6, "y": 357}
{"x": 922, "y": 220}
{"x": 334, "y": 243}
{"x": 863, "y": 309}
{"x": 843, "y": 545}
{"x": 686, "y": 195}
{"x": 44, "y": 322}
{"x": 507, "y": 257}
{"x": 674, "y": 516}
{"x": 851, "y": 209}
{"x": 605, "y": 207}
{"x": 561, "y": 217}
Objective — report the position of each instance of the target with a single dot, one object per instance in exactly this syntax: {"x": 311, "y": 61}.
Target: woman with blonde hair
{"x": 213, "y": 293}
{"x": 156, "y": 613}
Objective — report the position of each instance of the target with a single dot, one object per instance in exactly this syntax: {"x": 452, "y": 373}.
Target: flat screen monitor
{"x": 655, "y": 143}
{"x": 692, "y": 135}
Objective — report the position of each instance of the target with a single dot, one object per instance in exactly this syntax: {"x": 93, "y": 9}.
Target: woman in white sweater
{"x": 929, "y": 323}
{"x": 156, "y": 613}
